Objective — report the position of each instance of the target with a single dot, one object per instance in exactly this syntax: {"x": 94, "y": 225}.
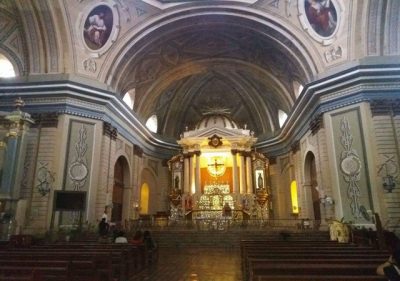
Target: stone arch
{"x": 281, "y": 199}
{"x": 380, "y": 19}
{"x": 121, "y": 190}
{"x": 265, "y": 24}
{"x": 13, "y": 44}
{"x": 149, "y": 180}
{"x": 144, "y": 198}
{"x": 155, "y": 58}
{"x": 311, "y": 188}
{"x": 46, "y": 43}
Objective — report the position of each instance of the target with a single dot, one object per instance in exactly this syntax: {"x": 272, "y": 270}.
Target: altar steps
{"x": 229, "y": 239}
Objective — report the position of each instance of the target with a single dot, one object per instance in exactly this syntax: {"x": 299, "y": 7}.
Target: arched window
{"x": 282, "y": 116}
{"x": 152, "y": 123}
{"x": 6, "y": 68}
{"x": 297, "y": 88}
{"x": 129, "y": 98}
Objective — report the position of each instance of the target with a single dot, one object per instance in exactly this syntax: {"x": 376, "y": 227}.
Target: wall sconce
{"x": 3, "y": 145}
{"x": 327, "y": 200}
{"x": 45, "y": 178}
{"x": 44, "y": 188}
{"x": 388, "y": 180}
{"x": 388, "y": 183}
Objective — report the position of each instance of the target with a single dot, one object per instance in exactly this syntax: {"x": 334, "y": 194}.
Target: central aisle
{"x": 194, "y": 264}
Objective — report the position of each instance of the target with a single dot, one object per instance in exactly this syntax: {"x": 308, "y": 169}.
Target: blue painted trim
{"x": 372, "y": 79}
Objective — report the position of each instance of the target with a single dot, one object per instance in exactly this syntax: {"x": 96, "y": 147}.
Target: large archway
{"x": 121, "y": 184}
{"x": 180, "y": 68}
{"x": 144, "y": 199}
{"x": 311, "y": 182}
{"x": 149, "y": 197}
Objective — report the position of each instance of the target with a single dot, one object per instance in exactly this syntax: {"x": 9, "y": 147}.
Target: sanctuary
{"x": 131, "y": 110}
{"x": 218, "y": 170}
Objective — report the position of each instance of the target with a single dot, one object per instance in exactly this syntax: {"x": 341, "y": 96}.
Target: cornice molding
{"x": 45, "y": 119}
{"x": 355, "y": 85}
{"x": 385, "y": 107}
{"x": 72, "y": 98}
{"x": 364, "y": 83}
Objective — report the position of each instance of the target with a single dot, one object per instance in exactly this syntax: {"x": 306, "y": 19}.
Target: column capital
{"x": 46, "y": 119}
{"x": 316, "y": 124}
{"x": 272, "y": 160}
{"x": 191, "y": 154}
{"x": 187, "y": 154}
{"x": 109, "y": 130}
{"x": 295, "y": 146}
{"x": 385, "y": 107}
{"x": 138, "y": 151}
{"x": 234, "y": 151}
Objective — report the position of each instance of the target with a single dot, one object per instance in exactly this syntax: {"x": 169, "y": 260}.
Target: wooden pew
{"x": 319, "y": 278}
{"x": 308, "y": 260}
{"x": 75, "y": 261}
{"x": 260, "y": 267}
{"x": 137, "y": 255}
{"x": 36, "y": 273}
{"x": 126, "y": 259}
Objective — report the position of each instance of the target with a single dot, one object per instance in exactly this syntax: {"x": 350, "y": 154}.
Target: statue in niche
{"x": 176, "y": 182}
{"x": 260, "y": 181}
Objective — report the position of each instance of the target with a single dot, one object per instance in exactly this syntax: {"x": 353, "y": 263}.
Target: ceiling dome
{"x": 216, "y": 120}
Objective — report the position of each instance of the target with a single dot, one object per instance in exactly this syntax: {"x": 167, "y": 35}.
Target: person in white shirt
{"x": 121, "y": 238}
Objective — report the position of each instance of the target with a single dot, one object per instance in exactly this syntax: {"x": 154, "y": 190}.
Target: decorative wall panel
{"x": 354, "y": 185}
{"x": 78, "y": 163}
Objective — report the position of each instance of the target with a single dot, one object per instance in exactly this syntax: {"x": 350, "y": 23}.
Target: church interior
{"x": 200, "y": 118}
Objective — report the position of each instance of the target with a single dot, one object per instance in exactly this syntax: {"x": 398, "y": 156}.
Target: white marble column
{"x": 198, "y": 179}
{"x": 186, "y": 176}
{"x": 192, "y": 188}
{"x": 242, "y": 174}
{"x": 235, "y": 173}
{"x": 248, "y": 175}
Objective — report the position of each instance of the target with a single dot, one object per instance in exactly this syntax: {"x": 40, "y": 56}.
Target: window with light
{"x": 152, "y": 123}
{"x": 6, "y": 68}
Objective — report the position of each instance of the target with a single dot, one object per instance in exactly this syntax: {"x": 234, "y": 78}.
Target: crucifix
{"x": 215, "y": 167}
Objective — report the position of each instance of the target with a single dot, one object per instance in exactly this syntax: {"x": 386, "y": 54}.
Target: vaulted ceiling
{"x": 213, "y": 61}
{"x": 185, "y": 57}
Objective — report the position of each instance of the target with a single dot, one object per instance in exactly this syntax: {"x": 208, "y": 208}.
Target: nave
{"x": 194, "y": 264}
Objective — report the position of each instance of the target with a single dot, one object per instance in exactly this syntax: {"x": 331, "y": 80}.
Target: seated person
{"x": 137, "y": 238}
{"x": 121, "y": 238}
{"x": 151, "y": 247}
{"x": 148, "y": 240}
{"x": 391, "y": 268}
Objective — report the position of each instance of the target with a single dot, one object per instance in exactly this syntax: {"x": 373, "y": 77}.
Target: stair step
{"x": 173, "y": 238}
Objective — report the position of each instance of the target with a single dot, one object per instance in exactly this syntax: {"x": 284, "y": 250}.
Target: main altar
{"x": 218, "y": 175}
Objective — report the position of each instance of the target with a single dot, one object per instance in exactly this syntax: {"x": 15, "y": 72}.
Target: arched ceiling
{"x": 187, "y": 66}
{"x": 185, "y": 57}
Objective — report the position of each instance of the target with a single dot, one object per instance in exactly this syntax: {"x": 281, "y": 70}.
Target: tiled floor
{"x": 194, "y": 264}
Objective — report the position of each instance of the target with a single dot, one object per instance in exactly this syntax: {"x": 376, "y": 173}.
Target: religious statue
{"x": 176, "y": 180}
{"x": 260, "y": 181}
{"x": 227, "y": 210}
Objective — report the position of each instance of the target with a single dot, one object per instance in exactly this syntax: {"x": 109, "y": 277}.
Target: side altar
{"x": 218, "y": 175}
